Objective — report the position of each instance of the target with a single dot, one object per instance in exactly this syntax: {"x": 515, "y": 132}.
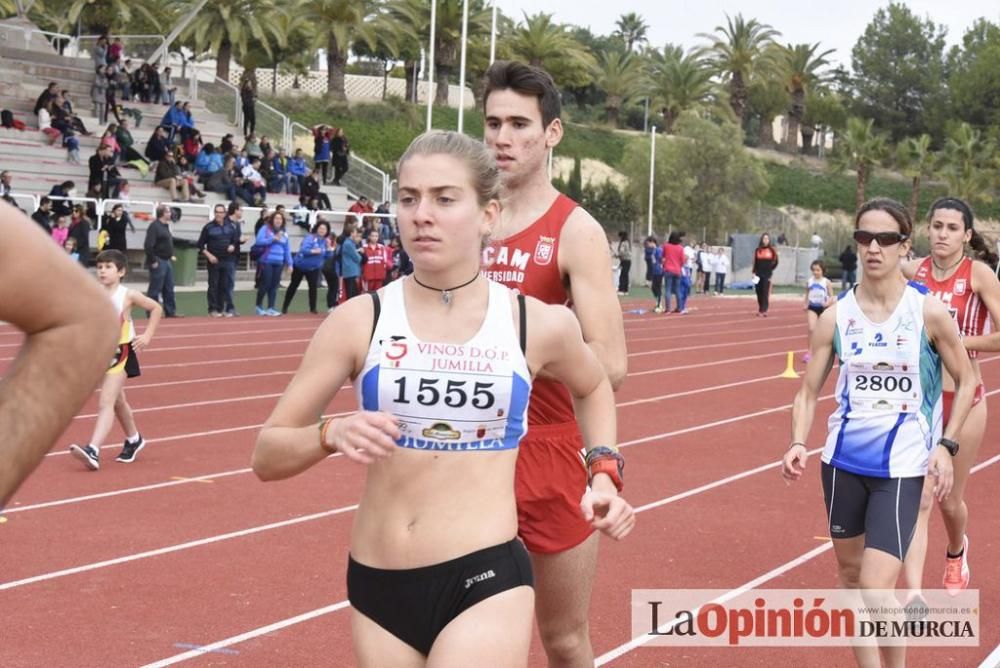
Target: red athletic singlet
{"x": 527, "y": 262}
{"x": 956, "y": 292}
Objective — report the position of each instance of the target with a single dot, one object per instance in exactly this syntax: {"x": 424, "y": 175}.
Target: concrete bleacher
{"x": 37, "y": 164}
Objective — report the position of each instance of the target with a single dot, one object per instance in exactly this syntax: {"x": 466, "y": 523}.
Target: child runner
{"x": 111, "y": 268}
{"x": 442, "y": 364}
{"x": 885, "y": 435}
{"x": 971, "y": 292}
{"x": 819, "y": 295}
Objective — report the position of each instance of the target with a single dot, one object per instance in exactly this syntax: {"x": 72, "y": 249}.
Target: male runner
{"x": 549, "y": 248}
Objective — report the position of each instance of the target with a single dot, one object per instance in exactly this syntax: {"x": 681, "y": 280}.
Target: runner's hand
{"x": 365, "y": 436}
{"x": 793, "y": 465}
{"x": 608, "y": 513}
{"x": 941, "y": 467}
{"x": 140, "y": 342}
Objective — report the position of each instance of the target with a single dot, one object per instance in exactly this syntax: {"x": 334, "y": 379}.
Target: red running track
{"x": 139, "y": 564}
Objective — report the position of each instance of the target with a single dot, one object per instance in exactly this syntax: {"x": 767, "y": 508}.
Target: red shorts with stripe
{"x": 549, "y": 482}
{"x": 948, "y": 397}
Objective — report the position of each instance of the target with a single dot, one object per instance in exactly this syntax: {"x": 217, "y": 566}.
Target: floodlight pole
{"x": 430, "y": 66}
{"x": 493, "y": 35}
{"x": 652, "y": 163}
{"x": 461, "y": 66}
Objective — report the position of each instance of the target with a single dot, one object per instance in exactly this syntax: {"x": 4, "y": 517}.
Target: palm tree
{"x": 226, "y": 27}
{"x": 632, "y": 28}
{"x": 338, "y": 24}
{"x": 618, "y": 75}
{"x": 914, "y": 157}
{"x": 766, "y": 101}
{"x": 104, "y": 15}
{"x": 447, "y": 35}
{"x": 968, "y": 164}
{"x": 800, "y": 65}
{"x": 541, "y": 42}
{"x": 678, "y": 82}
{"x": 859, "y": 148}
{"x": 737, "y": 51}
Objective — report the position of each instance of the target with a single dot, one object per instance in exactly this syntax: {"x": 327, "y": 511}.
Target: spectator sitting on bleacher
{"x": 241, "y": 160}
{"x": 298, "y": 168}
{"x": 43, "y": 216}
{"x": 60, "y": 230}
{"x": 192, "y": 146}
{"x": 172, "y": 120}
{"x": 158, "y": 145}
{"x": 226, "y": 145}
{"x": 123, "y": 79}
{"x": 311, "y": 189}
{"x": 187, "y": 171}
{"x": 52, "y": 134}
{"x": 104, "y": 176}
{"x": 222, "y": 181}
{"x": 187, "y": 120}
{"x": 252, "y": 147}
{"x": 281, "y": 176}
{"x": 47, "y": 94}
{"x": 168, "y": 175}
{"x": 266, "y": 168}
{"x": 110, "y": 138}
{"x": 265, "y": 146}
{"x": 62, "y": 207}
{"x": 64, "y": 111}
{"x": 208, "y": 162}
{"x": 129, "y": 155}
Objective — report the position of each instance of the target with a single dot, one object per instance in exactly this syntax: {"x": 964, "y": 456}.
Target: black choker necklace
{"x": 446, "y": 292}
{"x": 944, "y": 269}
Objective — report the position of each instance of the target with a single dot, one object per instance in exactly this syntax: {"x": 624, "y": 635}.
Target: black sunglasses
{"x": 883, "y": 238}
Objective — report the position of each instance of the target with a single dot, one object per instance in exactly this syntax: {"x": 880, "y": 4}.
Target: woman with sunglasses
{"x": 885, "y": 434}
{"x": 971, "y": 292}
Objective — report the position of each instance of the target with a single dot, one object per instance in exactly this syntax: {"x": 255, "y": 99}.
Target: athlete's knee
{"x": 567, "y": 646}
{"x": 850, "y": 575}
{"x": 953, "y": 505}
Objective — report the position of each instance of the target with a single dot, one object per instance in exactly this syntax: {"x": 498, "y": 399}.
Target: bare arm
{"x": 987, "y": 287}
{"x": 289, "y": 442}
{"x": 65, "y": 317}
{"x": 583, "y": 257}
{"x": 136, "y": 298}
{"x": 556, "y": 346}
{"x": 804, "y": 406}
{"x": 910, "y": 268}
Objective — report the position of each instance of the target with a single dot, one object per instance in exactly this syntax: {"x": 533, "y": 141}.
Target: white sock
{"x": 134, "y": 438}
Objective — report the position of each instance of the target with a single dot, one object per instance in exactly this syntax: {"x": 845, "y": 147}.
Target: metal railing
{"x": 28, "y": 33}
{"x": 34, "y": 199}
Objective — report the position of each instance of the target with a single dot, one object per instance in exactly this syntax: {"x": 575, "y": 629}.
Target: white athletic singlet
{"x": 817, "y": 291}
{"x": 127, "y": 332}
{"x": 889, "y": 412}
{"x": 448, "y": 396}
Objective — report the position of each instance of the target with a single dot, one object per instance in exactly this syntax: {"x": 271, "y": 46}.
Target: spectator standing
{"x": 79, "y": 230}
{"x": 219, "y": 243}
{"x": 159, "y": 247}
{"x": 721, "y": 267}
{"x": 276, "y": 256}
{"x": 375, "y": 266}
{"x": 765, "y": 261}
{"x": 849, "y": 263}
{"x": 341, "y": 150}
{"x": 99, "y": 94}
{"x": 322, "y": 149}
{"x": 115, "y": 224}
{"x": 350, "y": 263}
{"x": 248, "y": 98}
{"x": 624, "y": 254}
{"x": 673, "y": 268}
{"x": 308, "y": 264}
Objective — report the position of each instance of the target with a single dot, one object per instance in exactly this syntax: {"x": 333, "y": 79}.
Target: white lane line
{"x": 173, "y": 548}
{"x": 663, "y": 351}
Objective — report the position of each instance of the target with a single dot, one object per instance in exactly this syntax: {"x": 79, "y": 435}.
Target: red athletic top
{"x": 527, "y": 262}
{"x": 956, "y": 293}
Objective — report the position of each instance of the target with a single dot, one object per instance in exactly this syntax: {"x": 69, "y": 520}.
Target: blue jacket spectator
{"x": 350, "y": 258}
{"x": 278, "y": 253}
{"x": 306, "y": 260}
{"x": 208, "y": 161}
{"x": 298, "y": 166}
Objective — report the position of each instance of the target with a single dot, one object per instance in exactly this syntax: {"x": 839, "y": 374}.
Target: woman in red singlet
{"x": 971, "y": 292}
